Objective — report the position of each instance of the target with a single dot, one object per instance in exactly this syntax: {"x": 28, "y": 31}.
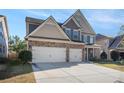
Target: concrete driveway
{"x": 75, "y": 73}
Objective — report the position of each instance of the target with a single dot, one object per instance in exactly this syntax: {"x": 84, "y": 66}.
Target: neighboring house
{"x": 71, "y": 41}
{"x": 109, "y": 44}
{"x": 105, "y": 42}
{"x": 118, "y": 44}
{"x": 3, "y": 37}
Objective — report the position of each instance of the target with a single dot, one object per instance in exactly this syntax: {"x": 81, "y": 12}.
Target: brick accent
{"x": 83, "y": 54}
{"x": 54, "y": 44}
{"x": 57, "y": 44}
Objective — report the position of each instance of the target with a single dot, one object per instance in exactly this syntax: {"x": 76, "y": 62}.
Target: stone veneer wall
{"x": 57, "y": 44}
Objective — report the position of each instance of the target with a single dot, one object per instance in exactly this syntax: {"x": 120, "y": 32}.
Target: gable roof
{"x": 47, "y": 20}
{"x": 100, "y": 36}
{"x": 85, "y": 26}
{"x": 71, "y": 24}
{"x": 35, "y": 22}
{"x": 71, "y": 18}
{"x": 81, "y": 22}
{"x": 116, "y": 41}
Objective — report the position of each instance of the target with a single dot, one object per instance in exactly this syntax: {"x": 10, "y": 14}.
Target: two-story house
{"x": 105, "y": 42}
{"x": 3, "y": 37}
{"x": 71, "y": 41}
{"x": 79, "y": 30}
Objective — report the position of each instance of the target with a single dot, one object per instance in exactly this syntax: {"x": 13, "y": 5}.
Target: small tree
{"x": 25, "y": 56}
{"x": 103, "y": 55}
{"x": 121, "y": 32}
{"x": 16, "y": 44}
{"x": 115, "y": 55}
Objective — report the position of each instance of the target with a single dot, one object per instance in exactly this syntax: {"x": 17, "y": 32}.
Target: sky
{"x": 106, "y": 22}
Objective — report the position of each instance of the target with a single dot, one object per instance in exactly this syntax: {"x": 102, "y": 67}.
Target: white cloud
{"x": 38, "y": 13}
{"x": 59, "y": 14}
{"x": 106, "y": 17}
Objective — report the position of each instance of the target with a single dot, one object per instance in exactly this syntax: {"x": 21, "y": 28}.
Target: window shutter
{"x": 82, "y": 38}
{"x": 88, "y": 39}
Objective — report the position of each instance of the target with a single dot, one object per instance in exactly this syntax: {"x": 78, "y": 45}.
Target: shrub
{"x": 103, "y": 55}
{"x": 122, "y": 62}
{"x": 95, "y": 60}
{"x": 115, "y": 55}
{"x": 14, "y": 62}
{"x": 3, "y": 60}
{"x": 122, "y": 56}
{"x": 25, "y": 56}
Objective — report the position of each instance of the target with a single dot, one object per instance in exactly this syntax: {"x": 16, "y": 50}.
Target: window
{"x": 1, "y": 27}
{"x": 94, "y": 39}
{"x": 0, "y": 49}
{"x": 85, "y": 39}
{"x": 73, "y": 34}
{"x": 82, "y": 38}
{"x": 68, "y": 32}
{"x": 1, "y": 31}
{"x": 88, "y": 39}
{"x": 91, "y": 39}
{"x": 76, "y": 35}
{"x": 1, "y": 36}
{"x": 3, "y": 49}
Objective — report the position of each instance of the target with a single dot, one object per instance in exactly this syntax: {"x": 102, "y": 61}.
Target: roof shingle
{"x": 116, "y": 41}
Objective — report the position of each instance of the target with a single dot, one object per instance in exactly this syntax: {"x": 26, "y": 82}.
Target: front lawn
{"x": 19, "y": 74}
{"x": 113, "y": 66}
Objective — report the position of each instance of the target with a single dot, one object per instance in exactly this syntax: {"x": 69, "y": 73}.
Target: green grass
{"x": 19, "y": 69}
{"x": 19, "y": 73}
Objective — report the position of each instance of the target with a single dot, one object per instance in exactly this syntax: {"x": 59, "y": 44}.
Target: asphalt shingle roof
{"x": 116, "y": 41}
{"x": 35, "y": 22}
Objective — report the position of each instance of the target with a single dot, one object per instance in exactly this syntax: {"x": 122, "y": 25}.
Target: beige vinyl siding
{"x": 50, "y": 30}
{"x": 104, "y": 45}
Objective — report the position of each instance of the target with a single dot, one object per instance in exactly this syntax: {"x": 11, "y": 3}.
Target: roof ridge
{"x": 42, "y": 19}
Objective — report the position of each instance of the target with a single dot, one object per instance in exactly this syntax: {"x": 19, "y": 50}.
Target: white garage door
{"x": 75, "y": 55}
{"x": 48, "y": 54}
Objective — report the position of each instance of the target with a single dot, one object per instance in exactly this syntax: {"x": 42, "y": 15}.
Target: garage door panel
{"x": 75, "y": 55}
{"x": 48, "y": 54}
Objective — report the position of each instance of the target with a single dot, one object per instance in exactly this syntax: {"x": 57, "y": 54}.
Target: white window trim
{"x": 91, "y": 39}
{"x": 85, "y": 39}
{"x": 67, "y": 29}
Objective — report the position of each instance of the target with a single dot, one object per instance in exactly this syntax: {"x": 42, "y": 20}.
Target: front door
{"x": 88, "y": 54}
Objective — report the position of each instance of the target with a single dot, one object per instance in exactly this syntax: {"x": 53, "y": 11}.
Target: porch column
{"x": 83, "y": 54}
{"x": 109, "y": 56}
{"x": 87, "y": 55}
{"x": 93, "y": 52}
